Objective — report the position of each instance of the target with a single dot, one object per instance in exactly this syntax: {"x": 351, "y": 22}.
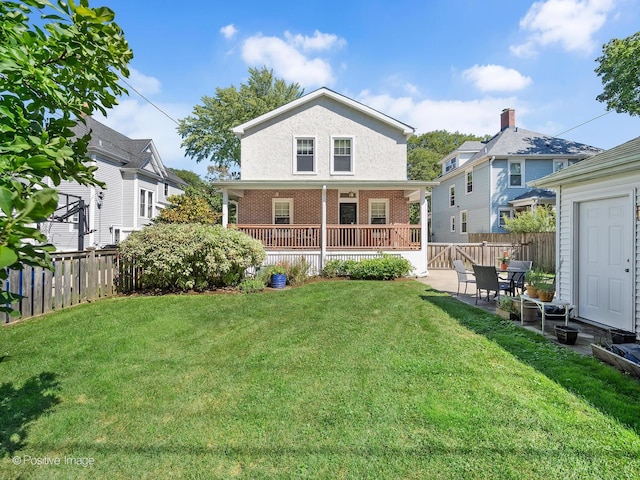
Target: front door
{"x": 348, "y": 216}
{"x": 604, "y": 266}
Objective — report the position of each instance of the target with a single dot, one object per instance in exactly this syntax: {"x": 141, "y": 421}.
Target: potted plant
{"x": 504, "y": 260}
{"x": 504, "y": 308}
{"x": 546, "y": 291}
{"x": 278, "y": 275}
{"x": 532, "y": 278}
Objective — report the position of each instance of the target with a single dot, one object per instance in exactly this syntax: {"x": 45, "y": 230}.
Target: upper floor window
{"x": 146, "y": 203}
{"x": 282, "y": 211}
{"x": 463, "y": 221}
{"x": 452, "y": 196}
{"x": 305, "y": 161}
{"x": 342, "y": 161}
{"x": 516, "y": 173}
{"x": 469, "y": 178}
{"x": 166, "y": 189}
{"x": 378, "y": 212}
{"x": 450, "y": 164}
{"x": 452, "y": 224}
{"x": 560, "y": 164}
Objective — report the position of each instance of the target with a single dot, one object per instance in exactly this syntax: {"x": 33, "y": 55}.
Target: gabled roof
{"x": 621, "y": 159}
{"x": 325, "y": 92}
{"x": 131, "y": 153}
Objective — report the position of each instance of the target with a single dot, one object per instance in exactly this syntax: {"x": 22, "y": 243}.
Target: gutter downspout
{"x": 225, "y": 208}
{"x": 323, "y": 230}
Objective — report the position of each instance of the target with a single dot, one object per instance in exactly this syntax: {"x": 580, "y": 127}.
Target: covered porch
{"x": 329, "y": 218}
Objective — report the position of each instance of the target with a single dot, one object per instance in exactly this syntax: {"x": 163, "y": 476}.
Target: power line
{"x": 583, "y": 123}
{"x": 150, "y": 102}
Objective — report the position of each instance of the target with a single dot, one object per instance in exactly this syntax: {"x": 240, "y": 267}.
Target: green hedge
{"x": 385, "y": 267}
{"x": 182, "y": 257}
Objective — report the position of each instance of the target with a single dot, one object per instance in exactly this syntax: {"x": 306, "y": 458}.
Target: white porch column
{"x": 323, "y": 229}
{"x": 225, "y": 207}
{"x": 424, "y": 227}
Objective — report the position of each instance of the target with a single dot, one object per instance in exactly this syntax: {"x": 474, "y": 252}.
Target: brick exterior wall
{"x": 255, "y": 208}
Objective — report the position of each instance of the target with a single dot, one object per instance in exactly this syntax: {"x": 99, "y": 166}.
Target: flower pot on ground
{"x": 505, "y": 307}
{"x": 566, "y": 335}
{"x": 278, "y": 280}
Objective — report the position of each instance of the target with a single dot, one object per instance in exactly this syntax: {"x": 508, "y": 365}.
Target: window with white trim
{"x": 342, "y": 161}
{"x": 282, "y": 211}
{"x": 452, "y": 195}
{"x": 502, "y": 213}
{"x": 452, "y": 223}
{"x": 378, "y": 211}
{"x": 450, "y": 164}
{"x": 463, "y": 221}
{"x": 469, "y": 179}
{"x": 305, "y": 158}
{"x": 146, "y": 203}
{"x": 560, "y": 165}
{"x": 516, "y": 173}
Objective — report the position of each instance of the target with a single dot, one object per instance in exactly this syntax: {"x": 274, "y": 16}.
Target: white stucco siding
{"x": 570, "y": 197}
{"x": 379, "y": 150}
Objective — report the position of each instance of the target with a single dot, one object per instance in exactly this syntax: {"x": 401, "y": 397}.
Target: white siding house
{"x": 598, "y": 236}
{"x": 137, "y": 187}
{"x": 326, "y": 177}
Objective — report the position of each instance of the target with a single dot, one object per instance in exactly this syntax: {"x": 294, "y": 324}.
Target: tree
{"x": 620, "y": 71}
{"x": 189, "y": 207}
{"x": 540, "y": 219}
{"x": 54, "y": 68}
{"x": 207, "y": 132}
{"x": 188, "y": 176}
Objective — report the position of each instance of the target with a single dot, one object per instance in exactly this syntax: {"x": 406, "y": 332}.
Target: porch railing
{"x": 339, "y": 237}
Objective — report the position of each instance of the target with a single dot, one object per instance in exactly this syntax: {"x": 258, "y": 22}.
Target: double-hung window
{"x": 452, "y": 196}
{"x": 502, "y": 214}
{"x": 452, "y": 223}
{"x": 282, "y": 211}
{"x": 342, "y": 158}
{"x": 378, "y": 212}
{"x": 516, "y": 173}
{"x": 463, "y": 221}
{"x": 469, "y": 179}
{"x": 146, "y": 203}
{"x": 305, "y": 158}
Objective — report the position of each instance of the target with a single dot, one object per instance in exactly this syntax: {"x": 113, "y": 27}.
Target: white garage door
{"x": 604, "y": 267}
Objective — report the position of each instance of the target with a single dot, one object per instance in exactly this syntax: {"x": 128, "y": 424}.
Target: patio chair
{"x": 515, "y": 278}
{"x": 463, "y": 275}
{"x": 487, "y": 279}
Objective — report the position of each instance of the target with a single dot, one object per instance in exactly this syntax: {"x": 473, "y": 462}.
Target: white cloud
{"x": 319, "y": 41}
{"x": 228, "y": 31}
{"x": 287, "y": 59}
{"x": 478, "y": 117}
{"x": 144, "y": 84}
{"x": 491, "y": 78}
{"x": 570, "y": 23}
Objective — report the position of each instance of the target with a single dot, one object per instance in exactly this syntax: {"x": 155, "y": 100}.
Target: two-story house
{"x": 137, "y": 187}
{"x": 325, "y": 177}
{"x": 484, "y": 182}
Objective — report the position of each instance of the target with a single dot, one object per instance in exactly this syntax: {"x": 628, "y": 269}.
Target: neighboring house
{"x": 326, "y": 177}
{"x": 598, "y": 236}
{"x": 482, "y": 182}
{"x": 137, "y": 187}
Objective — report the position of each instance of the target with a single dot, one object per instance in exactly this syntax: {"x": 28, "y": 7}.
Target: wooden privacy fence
{"x": 541, "y": 247}
{"x": 542, "y": 252}
{"x": 77, "y": 277}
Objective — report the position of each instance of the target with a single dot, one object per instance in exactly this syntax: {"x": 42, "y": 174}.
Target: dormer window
{"x": 305, "y": 159}
{"x": 560, "y": 164}
{"x": 451, "y": 164}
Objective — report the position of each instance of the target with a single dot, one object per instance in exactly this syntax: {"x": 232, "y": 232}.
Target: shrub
{"x": 251, "y": 285}
{"x": 339, "y": 268}
{"x": 296, "y": 272}
{"x": 381, "y": 268}
{"x": 191, "y": 256}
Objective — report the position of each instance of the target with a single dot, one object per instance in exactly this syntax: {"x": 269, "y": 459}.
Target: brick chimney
{"x": 507, "y": 118}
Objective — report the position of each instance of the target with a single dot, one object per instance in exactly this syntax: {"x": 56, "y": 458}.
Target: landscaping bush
{"x": 386, "y": 267}
{"x": 252, "y": 285}
{"x": 381, "y": 268}
{"x": 191, "y": 256}
{"x": 296, "y": 272}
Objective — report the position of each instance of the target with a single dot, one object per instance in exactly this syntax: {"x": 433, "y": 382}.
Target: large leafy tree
{"x": 619, "y": 67}
{"x": 207, "y": 132}
{"x": 58, "y": 62}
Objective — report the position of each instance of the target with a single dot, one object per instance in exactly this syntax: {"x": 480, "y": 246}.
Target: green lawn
{"x": 331, "y": 380}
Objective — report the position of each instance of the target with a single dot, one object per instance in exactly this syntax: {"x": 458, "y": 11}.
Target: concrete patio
{"x": 447, "y": 281}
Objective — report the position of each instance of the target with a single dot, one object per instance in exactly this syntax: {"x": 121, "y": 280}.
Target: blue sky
{"x": 435, "y": 64}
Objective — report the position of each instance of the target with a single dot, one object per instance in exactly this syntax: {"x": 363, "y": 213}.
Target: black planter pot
{"x": 622, "y": 336}
{"x": 567, "y": 335}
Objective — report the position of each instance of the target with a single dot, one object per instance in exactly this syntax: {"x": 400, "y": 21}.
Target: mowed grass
{"x": 336, "y": 379}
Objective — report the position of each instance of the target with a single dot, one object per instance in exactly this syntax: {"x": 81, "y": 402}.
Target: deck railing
{"x": 339, "y": 237}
